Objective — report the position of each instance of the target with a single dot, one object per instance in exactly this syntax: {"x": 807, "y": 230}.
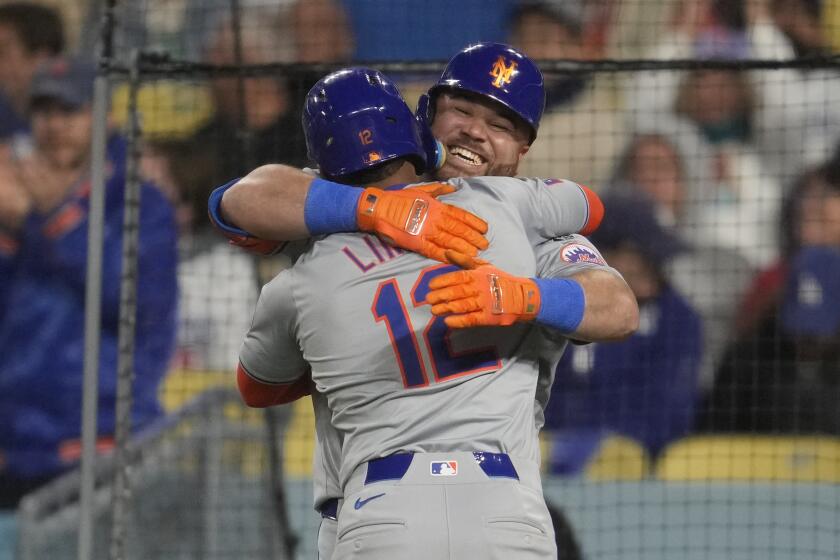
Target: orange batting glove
{"x": 412, "y": 219}
{"x": 482, "y": 296}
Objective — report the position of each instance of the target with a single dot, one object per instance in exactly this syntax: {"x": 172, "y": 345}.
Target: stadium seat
{"x": 599, "y": 457}
{"x": 170, "y": 110}
{"x": 618, "y": 458}
{"x": 752, "y": 458}
{"x": 299, "y": 440}
{"x": 831, "y": 22}
{"x": 181, "y": 385}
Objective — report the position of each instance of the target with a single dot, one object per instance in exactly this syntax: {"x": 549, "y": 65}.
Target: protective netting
{"x": 198, "y": 484}
{"x": 710, "y": 129}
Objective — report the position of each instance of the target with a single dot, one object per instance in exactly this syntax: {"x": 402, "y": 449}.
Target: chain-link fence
{"x": 712, "y": 433}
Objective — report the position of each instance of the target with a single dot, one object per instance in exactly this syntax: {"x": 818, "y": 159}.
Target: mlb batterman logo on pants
{"x": 444, "y": 468}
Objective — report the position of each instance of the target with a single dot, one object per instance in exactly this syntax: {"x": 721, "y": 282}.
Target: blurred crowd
{"x": 722, "y": 190}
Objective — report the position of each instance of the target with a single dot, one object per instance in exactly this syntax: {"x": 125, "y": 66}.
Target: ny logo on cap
{"x": 502, "y": 72}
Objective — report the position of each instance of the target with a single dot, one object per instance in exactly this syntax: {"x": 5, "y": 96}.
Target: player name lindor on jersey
{"x": 378, "y": 253}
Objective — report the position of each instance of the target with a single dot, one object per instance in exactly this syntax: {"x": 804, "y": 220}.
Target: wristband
{"x": 563, "y": 303}
{"x": 330, "y": 207}
{"x": 214, "y": 208}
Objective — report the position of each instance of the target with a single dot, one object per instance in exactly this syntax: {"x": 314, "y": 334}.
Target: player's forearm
{"x": 610, "y": 312}
{"x": 280, "y": 203}
{"x": 269, "y": 203}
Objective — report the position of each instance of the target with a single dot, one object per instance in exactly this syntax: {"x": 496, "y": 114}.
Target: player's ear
{"x": 522, "y": 135}
{"x": 522, "y": 151}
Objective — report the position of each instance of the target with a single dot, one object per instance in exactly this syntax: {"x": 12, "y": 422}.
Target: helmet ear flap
{"x": 435, "y": 150}
{"x": 355, "y": 118}
{"x": 440, "y": 155}
{"x": 425, "y": 109}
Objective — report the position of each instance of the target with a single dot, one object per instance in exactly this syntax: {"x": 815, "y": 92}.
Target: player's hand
{"x": 482, "y": 296}
{"x": 412, "y": 219}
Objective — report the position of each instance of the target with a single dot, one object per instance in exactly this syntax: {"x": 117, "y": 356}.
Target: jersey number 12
{"x": 388, "y": 306}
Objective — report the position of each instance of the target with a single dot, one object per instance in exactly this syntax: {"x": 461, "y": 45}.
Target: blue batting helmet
{"x": 355, "y": 118}
{"x": 501, "y": 73}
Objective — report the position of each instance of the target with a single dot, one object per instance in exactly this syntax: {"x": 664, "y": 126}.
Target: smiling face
{"x": 481, "y": 136}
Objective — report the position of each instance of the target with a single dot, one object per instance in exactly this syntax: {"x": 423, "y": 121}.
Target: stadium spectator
{"x": 582, "y": 129}
{"x": 782, "y": 377}
{"x": 652, "y": 162}
{"x": 218, "y": 284}
{"x": 322, "y": 32}
{"x": 44, "y": 201}
{"x": 798, "y": 121}
{"x": 29, "y": 35}
{"x": 646, "y": 386}
{"x": 651, "y": 94}
{"x": 800, "y": 21}
{"x": 181, "y": 29}
{"x": 736, "y": 208}
{"x": 775, "y": 375}
{"x": 762, "y": 296}
{"x": 663, "y": 164}
{"x": 264, "y": 125}
{"x": 810, "y": 217}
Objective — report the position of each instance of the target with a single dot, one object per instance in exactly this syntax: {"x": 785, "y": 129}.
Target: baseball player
{"x": 462, "y": 77}
{"x": 488, "y": 104}
{"x": 448, "y": 467}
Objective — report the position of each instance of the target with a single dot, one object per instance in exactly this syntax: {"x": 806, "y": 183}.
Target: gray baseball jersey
{"x": 556, "y": 258}
{"x": 354, "y": 310}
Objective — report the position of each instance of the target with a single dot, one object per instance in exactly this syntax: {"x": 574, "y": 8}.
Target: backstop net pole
{"x": 93, "y": 288}
{"x": 127, "y": 320}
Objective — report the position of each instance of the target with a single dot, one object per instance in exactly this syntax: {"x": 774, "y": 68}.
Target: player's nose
{"x": 476, "y": 129}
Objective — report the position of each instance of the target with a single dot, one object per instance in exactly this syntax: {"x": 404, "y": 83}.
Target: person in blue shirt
{"x": 44, "y": 203}
{"x": 779, "y": 375}
{"x": 645, "y": 387}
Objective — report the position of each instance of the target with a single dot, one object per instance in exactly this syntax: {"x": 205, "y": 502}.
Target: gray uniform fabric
{"x": 553, "y": 261}
{"x": 327, "y": 454}
{"x": 327, "y": 535}
{"x": 465, "y": 515}
{"x": 345, "y": 295}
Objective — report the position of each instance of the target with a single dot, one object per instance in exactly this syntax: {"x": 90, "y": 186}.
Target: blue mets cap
{"x": 68, "y": 81}
{"x": 500, "y": 73}
{"x": 811, "y": 304}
